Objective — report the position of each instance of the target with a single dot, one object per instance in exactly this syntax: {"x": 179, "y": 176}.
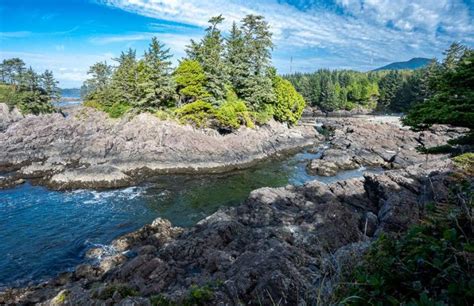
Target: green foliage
{"x": 452, "y": 101}
{"x": 200, "y": 295}
{"x": 465, "y": 161}
{"x": 429, "y": 265}
{"x": 8, "y": 95}
{"x": 209, "y": 53}
{"x": 197, "y": 113}
{"x": 338, "y": 89}
{"x": 253, "y": 82}
{"x": 233, "y": 113}
{"x": 263, "y": 114}
{"x": 115, "y": 110}
{"x": 124, "y": 290}
{"x": 191, "y": 81}
{"x": 197, "y": 296}
{"x": 166, "y": 114}
{"x": 30, "y": 92}
{"x": 155, "y": 86}
{"x": 290, "y": 104}
{"x": 213, "y": 67}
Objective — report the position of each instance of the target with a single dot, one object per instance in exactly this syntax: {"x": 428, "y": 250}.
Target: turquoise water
{"x": 44, "y": 232}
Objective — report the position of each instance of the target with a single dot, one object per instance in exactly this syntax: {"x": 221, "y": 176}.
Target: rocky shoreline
{"x": 86, "y": 149}
{"x": 284, "y": 245}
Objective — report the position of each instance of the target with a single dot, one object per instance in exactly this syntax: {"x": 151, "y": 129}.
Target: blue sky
{"x": 67, "y": 36}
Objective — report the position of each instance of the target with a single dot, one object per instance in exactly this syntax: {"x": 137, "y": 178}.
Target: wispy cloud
{"x": 64, "y": 66}
{"x": 367, "y": 31}
{"x": 16, "y": 34}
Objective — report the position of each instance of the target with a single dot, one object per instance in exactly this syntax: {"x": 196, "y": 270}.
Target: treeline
{"x": 393, "y": 91}
{"x": 23, "y": 87}
{"x": 449, "y": 88}
{"x": 223, "y": 82}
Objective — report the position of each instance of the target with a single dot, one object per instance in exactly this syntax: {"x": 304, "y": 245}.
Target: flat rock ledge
{"x": 87, "y": 149}
{"x": 375, "y": 142}
{"x": 284, "y": 244}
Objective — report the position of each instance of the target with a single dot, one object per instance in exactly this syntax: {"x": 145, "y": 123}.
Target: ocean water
{"x": 44, "y": 232}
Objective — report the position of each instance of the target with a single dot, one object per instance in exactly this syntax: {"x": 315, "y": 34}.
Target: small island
{"x": 333, "y": 187}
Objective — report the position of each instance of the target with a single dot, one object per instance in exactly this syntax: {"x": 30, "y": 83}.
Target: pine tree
{"x": 329, "y": 98}
{"x": 236, "y": 58}
{"x": 50, "y": 85}
{"x": 155, "y": 84}
{"x": 257, "y": 86}
{"x": 96, "y": 87}
{"x": 209, "y": 53}
{"x": 191, "y": 82}
{"x": 124, "y": 83}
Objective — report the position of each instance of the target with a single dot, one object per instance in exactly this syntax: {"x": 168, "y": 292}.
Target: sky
{"x": 68, "y": 36}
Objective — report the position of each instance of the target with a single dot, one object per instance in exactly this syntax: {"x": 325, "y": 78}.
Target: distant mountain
{"x": 414, "y": 63}
{"x": 71, "y": 92}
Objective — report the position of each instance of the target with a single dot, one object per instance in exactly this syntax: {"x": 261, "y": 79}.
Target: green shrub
{"x": 289, "y": 103}
{"x": 465, "y": 161}
{"x": 7, "y": 95}
{"x": 263, "y": 115}
{"x": 431, "y": 264}
{"x": 191, "y": 81}
{"x": 197, "y": 113}
{"x": 199, "y": 295}
{"x": 124, "y": 290}
{"x": 93, "y": 104}
{"x": 233, "y": 113}
{"x": 160, "y": 300}
{"x": 166, "y": 114}
{"x": 117, "y": 109}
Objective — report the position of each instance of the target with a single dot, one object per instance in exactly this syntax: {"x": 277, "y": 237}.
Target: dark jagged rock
{"x": 282, "y": 245}
{"x": 87, "y": 149}
{"x": 357, "y": 142}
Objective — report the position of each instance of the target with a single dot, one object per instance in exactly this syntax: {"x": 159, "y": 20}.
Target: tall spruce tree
{"x": 155, "y": 85}
{"x": 236, "y": 58}
{"x": 257, "y": 87}
{"x": 209, "y": 53}
{"x": 50, "y": 85}
{"x": 124, "y": 84}
{"x": 96, "y": 87}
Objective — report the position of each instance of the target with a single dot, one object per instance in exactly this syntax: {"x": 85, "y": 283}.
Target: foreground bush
{"x": 429, "y": 265}
{"x": 116, "y": 110}
{"x": 197, "y": 113}
{"x": 290, "y": 103}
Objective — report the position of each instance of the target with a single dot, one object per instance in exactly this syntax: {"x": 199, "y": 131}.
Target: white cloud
{"x": 64, "y": 66}
{"x": 371, "y": 31}
{"x": 16, "y": 34}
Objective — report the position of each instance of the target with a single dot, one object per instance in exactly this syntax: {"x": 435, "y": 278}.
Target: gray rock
{"x": 87, "y": 149}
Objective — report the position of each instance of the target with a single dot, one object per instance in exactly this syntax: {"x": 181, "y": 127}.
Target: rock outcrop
{"x": 88, "y": 149}
{"x": 282, "y": 245}
{"x": 357, "y": 142}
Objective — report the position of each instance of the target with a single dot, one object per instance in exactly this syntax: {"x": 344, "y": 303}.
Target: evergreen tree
{"x": 13, "y": 70}
{"x": 452, "y": 99}
{"x": 329, "y": 98}
{"x": 389, "y": 86}
{"x": 96, "y": 87}
{"x": 209, "y": 53}
{"x": 124, "y": 82}
{"x": 191, "y": 82}
{"x": 155, "y": 84}
{"x": 256, "y": 88}
{"x": 235, "y": 57}
{"x": 50, "y": 85}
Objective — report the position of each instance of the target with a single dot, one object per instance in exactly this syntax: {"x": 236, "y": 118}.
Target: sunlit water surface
{"x": 44, "y": 232}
